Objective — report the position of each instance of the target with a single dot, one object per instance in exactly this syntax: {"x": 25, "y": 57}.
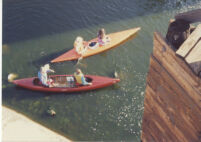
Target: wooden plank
{"x": 157, "y": 114}
{"x": 178, "y": 69}
{"x": 194, "y": 58}
{"x": 190, "y": 42}
{"x": 169, "y": 112}
{"x": 174, "y": 97}
{"x": 151, "y": 115}
{"x": 190, "y": 16}
{"x": 175, "y": 128}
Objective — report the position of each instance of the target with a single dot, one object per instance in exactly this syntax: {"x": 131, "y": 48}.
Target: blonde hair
{"x": 78, "y": 71}
{"x": 78, "y": 44}
{"x": 79, "y": 40}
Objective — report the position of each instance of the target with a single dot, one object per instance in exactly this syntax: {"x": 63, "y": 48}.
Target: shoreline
{"x": 17, "y": 127}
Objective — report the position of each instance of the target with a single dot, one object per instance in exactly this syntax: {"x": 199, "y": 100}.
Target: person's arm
{"x": 50, "y": 70}
{"x": 84, "y": 82}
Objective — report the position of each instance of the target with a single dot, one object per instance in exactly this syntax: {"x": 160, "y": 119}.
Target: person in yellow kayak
{"x": 79, "y": 76}
{"x": 102, "y": 38}
{"x": 80, "y": 48}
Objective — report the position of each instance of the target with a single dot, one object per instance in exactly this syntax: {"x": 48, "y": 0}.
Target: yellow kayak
{"x": 115, "y": 40}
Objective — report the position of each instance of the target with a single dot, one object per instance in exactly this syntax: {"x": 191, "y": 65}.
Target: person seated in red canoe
{"x": 79, "y": 77}
{"x": 43, "y": 77}
{"x": 102, "y": 38}
{"x": 79, "y": 45}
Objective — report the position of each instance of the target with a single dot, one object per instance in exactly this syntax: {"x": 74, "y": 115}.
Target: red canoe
{"x": 63, "y": 83}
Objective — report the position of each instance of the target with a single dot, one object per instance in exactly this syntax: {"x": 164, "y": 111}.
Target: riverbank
{"x": 17, "y": 127}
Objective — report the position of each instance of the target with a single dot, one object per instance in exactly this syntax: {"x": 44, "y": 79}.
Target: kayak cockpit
{"x": 93, "y": 45}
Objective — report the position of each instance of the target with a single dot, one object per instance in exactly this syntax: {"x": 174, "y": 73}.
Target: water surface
{"x": 37, "y": 31}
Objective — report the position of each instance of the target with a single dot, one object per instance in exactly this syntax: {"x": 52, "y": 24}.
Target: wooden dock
{"x": 172, "y": 105}
{"x": 190, "y": 50}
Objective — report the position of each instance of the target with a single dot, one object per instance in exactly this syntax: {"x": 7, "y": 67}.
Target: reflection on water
{"x": 36, "y": 32}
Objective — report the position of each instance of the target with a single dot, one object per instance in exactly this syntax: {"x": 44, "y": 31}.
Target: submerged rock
{"x": 51, "y": 111}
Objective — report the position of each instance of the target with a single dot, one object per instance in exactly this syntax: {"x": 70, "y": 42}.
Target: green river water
{"x": 37, "y": 31}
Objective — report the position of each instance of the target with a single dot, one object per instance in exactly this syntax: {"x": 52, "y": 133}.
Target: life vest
{"x": 78, "y": 77}
{"x": 100, "y": 41}
{"x": 104, "y": 41}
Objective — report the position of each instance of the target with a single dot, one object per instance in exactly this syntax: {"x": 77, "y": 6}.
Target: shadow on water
{"x": 10, "y": 92}
{"x": 24, "y": 19}
{"x": 22, "y": 93}
{"x": 47, "y": 59}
